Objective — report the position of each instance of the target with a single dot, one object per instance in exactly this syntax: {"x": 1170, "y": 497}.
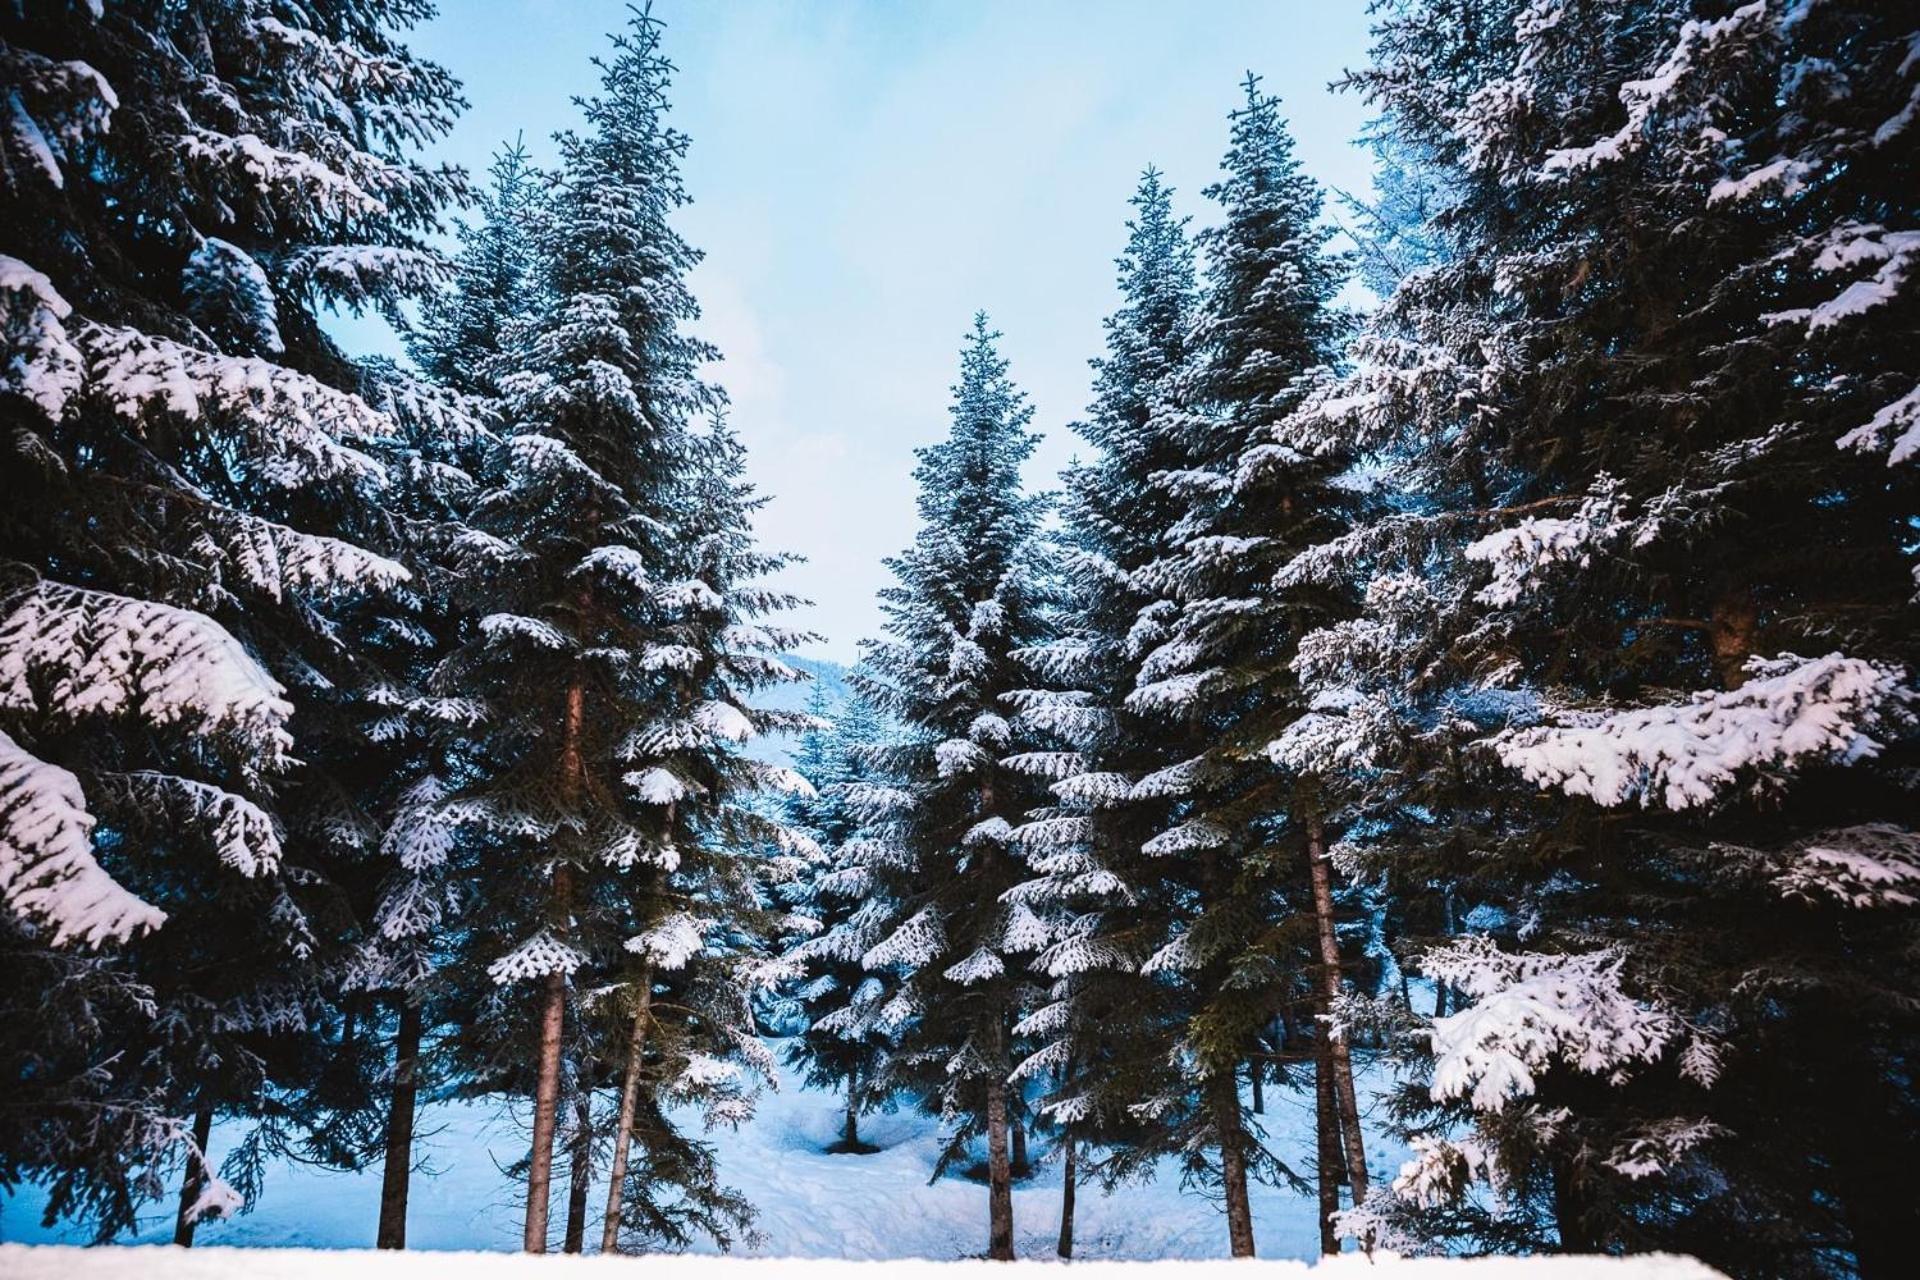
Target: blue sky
{"x": 866, "y": 174}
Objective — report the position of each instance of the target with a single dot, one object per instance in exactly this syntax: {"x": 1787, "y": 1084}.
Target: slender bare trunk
{"x": 629, "y": 1103}
{"x": 546, "y": 1095}
{"x": 1343, "y": 1092}
{"x": 850, "y": 1127}
{"x": 1017, "y": 1123}
{"x": 1070, "y": 1178}
{"x": 546, "y": 1105}
{"x": 1730, "y": 630}
{"x": 194, "y": 1181}
{"x": 1326, "y": 1125}
{"x": 1233, "y": 1165}
{"x": 397, "y": 1173}
{"x": 580, "y": 1174}
{"x": 1254, "y": 1074}
{"x": 999, "y": 1175}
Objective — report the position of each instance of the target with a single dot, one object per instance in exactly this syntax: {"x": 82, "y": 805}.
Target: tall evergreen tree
{"x": 622, "y": 642}
{"x": 937, "y": 819}
{"x": 841, "y": 1045}
{"x": 1203, "y": 877}
{"x": 192, "y": 483}
{"x": 1101, "y": 1038}
{"x": 1656, "y": 390}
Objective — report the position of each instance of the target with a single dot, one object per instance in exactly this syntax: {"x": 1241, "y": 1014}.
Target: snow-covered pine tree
{"x": 615, "y": 662}
{"x": 184, "y": 451}
{"x": 1194, "y": 861}
{"x": 1659, "y": 382}
{"x": 836, "y": 999}
{"x": 415, "y": 718}
{"x": 937, "y": 817}
{"x": 456, "y": 341}
{"x": 1102, "y": 1040}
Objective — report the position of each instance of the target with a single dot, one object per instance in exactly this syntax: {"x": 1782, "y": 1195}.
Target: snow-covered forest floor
{"x": 301, "y": 1264}
{"x": 811, "y": 1205}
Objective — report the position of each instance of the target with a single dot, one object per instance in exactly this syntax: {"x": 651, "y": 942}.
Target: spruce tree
{"x": 1200, "y": 850}
{"x": 192, "y": 480}
{"x": 623, "y": 638}
{"x": 840, "y": 1045}
{"x": 1656, "y": 393}
{"x": 936, "y": 820}
{"x": 1101, "y": 1038}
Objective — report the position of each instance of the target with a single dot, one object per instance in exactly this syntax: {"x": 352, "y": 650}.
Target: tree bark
{"x": 1069, "y": 1177}
{"x": 397, "y": 1174}
{"x": 1326, "y": 1124}
{"x": 194, "y": 1179}
{"x": 546, "y": 1104}
{"x": 580, "y": 1175}
{"x": 546, "y": 1095}
{"x": 1569, "y": 1211}
{"x": 1253, "y": 1078}
{"x": 999, "y": 1175}
{"x": 1017, "y": 1123}
{"x": 850, "y": 1127}
{"x": 629, "y": 1104}
{"x": 1343, "y": 1092}
{"x": 1233, "y": 1165}
{"x": 1730, "y": 630}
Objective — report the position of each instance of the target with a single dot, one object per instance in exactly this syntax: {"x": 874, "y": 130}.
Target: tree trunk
{"x": 850, "y": 1127}
{"x": 580, "y": 1174}
{"x": 1730, "y": 631}
{"x": 1326, "y": 1124}
{"x": 195, "y": 1178}
{"x": 1253, "y": 1077}
{"x": 1569, "y": 1211}
{"x": 546, "y": 1095}
{"x": 1233, "y": 1165}
{"x": 1018, "y": 1125}
{"x": 1343, "y": 1093}
{"x": 546, "y": 1104}
{"x": 398, "y": 1171}
{"x": 999, "y": 1176}
{"x": 629, "y": 1103}
{"x": 1068, "y": 1178}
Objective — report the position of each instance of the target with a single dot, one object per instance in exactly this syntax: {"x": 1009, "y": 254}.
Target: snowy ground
{"x": 22, "y": 1263}
{"x": 812, "y": 1205}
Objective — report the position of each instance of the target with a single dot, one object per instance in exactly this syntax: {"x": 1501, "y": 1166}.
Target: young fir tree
{"x": 1101, "y": 1036}
{"x": 936, "y": 820}
{"x": 185, "y": 451}
{"x": 1205, "y": 859}
{"x": 1659, "y": 388}
{"x": 412, "y": 897}
{"x": 838, "y": 1001}
{"x": 456, "y": 342}
{"x": 603, "y": 802}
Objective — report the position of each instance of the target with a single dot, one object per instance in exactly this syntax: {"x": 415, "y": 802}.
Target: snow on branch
{"x": 1699, "y": 46}
{"x": 1682, "y": 755}
{"x": 1894, "y": 427}
{"x": 1847, "y": 247}
{"x": 1522, "y": 554}
{"x": 67, "y": 652}
{"x": 1531, "y": 1012}
{"x": 1875, "y": 864}
{"x": 43, "y": 363}
{"x": 48, "y": 873}
{"x": 538, "y": 956}
{"x": 292, "y": 423}
{"x": 672, "y": 942}
{"x": 243, "y": 835}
